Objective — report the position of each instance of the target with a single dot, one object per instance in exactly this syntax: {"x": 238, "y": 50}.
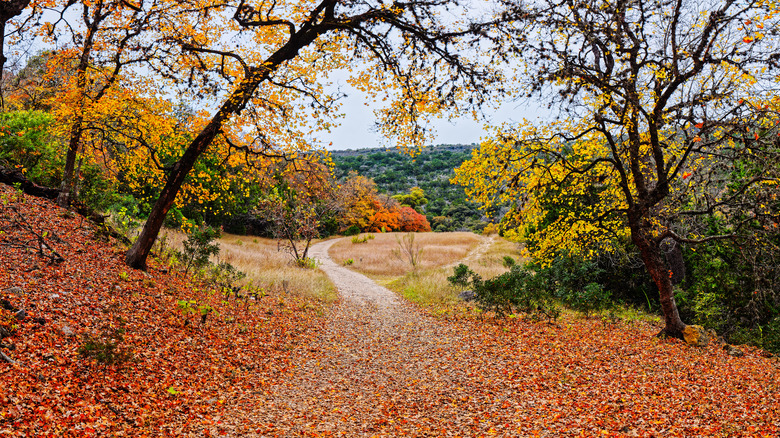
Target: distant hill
{"x": 395, "y": 172}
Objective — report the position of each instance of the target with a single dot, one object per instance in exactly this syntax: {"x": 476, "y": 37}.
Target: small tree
{"x": 297, "y": 208}
{"x": 407, "y": 250}
{"x": 200, "y": 246}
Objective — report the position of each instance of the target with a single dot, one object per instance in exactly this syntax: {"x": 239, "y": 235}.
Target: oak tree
{"x": 95, "y": 42}
{"x": 661, "y": 101}
{"x": 267, "y": 57}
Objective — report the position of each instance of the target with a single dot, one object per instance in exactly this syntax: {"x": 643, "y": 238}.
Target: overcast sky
{"x": 356, "y": 130}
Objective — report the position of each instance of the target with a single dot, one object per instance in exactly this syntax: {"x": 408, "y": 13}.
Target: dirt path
{"x": 380, "y": 367}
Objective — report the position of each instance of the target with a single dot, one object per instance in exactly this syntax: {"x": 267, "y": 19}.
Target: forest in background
{"x": 396, "y": 173}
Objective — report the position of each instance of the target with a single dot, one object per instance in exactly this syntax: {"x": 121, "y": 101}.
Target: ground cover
{"x": 104, "y": 350}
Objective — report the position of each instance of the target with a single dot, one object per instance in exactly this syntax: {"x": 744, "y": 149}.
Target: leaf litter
{"x": 372, "y": 365}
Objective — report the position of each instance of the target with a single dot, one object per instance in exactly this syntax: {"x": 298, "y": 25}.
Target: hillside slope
{"x": 69, "y": 319}
{"x": 395, "y": 173}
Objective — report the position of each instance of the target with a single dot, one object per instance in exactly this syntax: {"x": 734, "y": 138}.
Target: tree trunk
{"x": 8, "y": 10}
{"x": 136, "y": 256}
{"x": 66, "y": 187}
{"x": 2, "y": 64}
{"x": 656, "y": 266}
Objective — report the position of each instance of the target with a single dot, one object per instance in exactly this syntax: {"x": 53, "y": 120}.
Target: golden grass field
{"x": 427, "y": 284}
{"x": 379, "y": 259}
{"x": 266, "y": 267}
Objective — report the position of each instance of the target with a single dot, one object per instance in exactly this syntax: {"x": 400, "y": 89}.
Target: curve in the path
{"x": 351, "y": 285}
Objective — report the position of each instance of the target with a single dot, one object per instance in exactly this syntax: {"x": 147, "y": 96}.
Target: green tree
{"x": 415, "y": 199}
{"x": 657, "y": 103}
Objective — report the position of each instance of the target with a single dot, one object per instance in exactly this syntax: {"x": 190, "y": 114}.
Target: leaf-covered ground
{"x": 181, "y": 377}
{"x": 371, "y": 366}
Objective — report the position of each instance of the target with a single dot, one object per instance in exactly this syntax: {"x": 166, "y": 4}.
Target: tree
{"x": 8, "y": 10}
{"x": 415, "y": 199}
{"x": 298, "y": 206}
{"x": 659, "y": 102}
{"x": 282, "y": 51}
{"x": 356, "y": 197}
{"x": 96, "y": 44}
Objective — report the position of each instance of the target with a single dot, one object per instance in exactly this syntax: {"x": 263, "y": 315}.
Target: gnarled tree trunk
{"x": 656, "y": 266}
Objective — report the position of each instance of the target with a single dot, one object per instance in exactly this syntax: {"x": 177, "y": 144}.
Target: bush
{"x": 105, "y": 349}
{"x": 508, "y": 261}
{"x": 199, "y": 246}
{"x": 306, "y": 263}
{"x": 515, "y": 291}
{"x": 733, "y": 288}
{"x": 591, "y": 299}
{"x": 353, "y": 230}
{"x": 26, "y": 142}
{"x": 490, "y": 229}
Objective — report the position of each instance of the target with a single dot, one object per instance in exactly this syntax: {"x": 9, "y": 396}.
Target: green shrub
{"x": 106, "y": 348}
{"x": 364, "y": 239}
{"x": 591, "y": 299}
{"x": 353, "y": 230}
{"x": 515, "y": 291}
{"x": 199, "y": 246}
{"x": 509, "y": 261}
{"x": 27, "y": 143}
{"x": 306, "y": 263}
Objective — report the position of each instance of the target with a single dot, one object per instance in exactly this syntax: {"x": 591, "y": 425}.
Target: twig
{"x": 117, "y": 412}
{"x": 7, "y": 359}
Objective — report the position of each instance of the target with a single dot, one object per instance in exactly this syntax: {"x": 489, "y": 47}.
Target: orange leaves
{"x": 57, "y": 393}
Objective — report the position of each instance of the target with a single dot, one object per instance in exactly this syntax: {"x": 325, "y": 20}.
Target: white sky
{"x": 356, "y": 128}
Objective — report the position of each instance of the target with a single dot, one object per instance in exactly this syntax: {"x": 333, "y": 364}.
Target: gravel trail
{"x": 380, "y": 368}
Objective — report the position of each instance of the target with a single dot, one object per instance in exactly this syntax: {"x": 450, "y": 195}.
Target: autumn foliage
{"x": 363, "y": 207}
{"x": 173, "y": 375}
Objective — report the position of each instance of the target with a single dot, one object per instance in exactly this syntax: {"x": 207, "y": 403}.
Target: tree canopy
{"x": 667, "y": 119}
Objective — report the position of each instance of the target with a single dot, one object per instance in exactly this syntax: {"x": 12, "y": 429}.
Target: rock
{"x": 66, "y": 330}
{"x": 5, "y": 304}
{"x": 21, "y": 315}
{"x": 467, "y": 295}
{"x": 696, "y": 336}
{"x": 16, "y": 290}
{"x": 733, "y": 351}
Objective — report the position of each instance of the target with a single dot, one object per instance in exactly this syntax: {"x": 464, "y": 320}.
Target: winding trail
{"x": 380, "y": 368}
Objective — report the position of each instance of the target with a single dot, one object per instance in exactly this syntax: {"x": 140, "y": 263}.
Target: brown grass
{"x": 266, "y": 267}
{"x": 430, "y": 287}
{"x": 376, "y": 257}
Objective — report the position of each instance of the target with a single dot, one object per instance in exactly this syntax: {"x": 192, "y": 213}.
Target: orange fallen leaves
{"x": 266, "y": 369}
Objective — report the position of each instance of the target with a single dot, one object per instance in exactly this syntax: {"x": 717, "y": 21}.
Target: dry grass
{"x": 430, "y": 288}
{"x": 376, "y": 257}
{"x": 266, "y": 267}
